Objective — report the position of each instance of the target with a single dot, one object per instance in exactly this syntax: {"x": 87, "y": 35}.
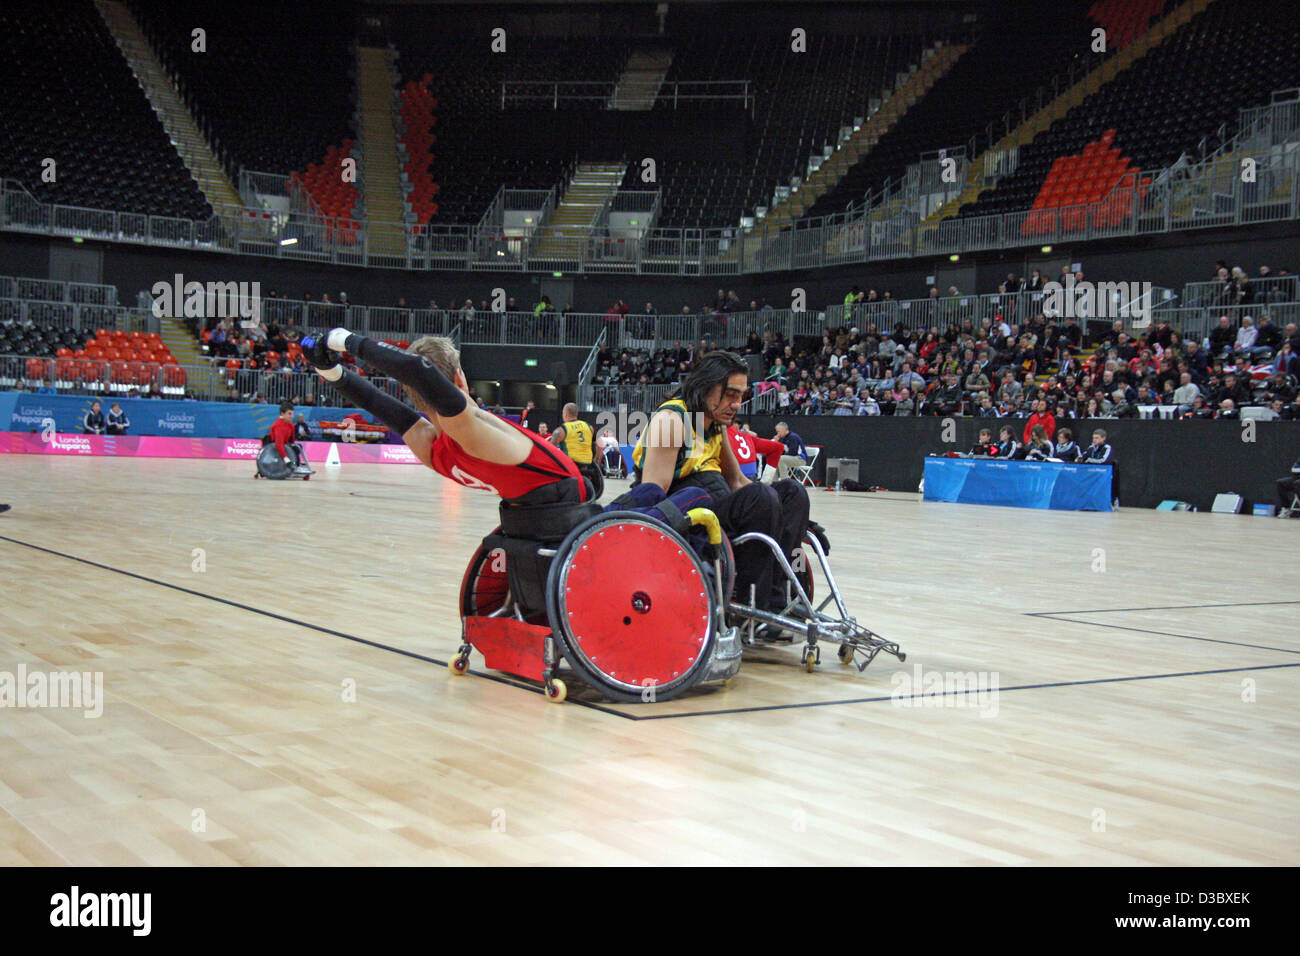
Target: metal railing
{"x": 253, "y": 184}
{"x": 1198, "y": 322}
{"x": 1266, "y": 291}
{"x": 761, "y": 402}
{"x": 1197, "y": 202}
{"x": 56, "y": 290}
{"x": 637, "y": 397}
{"x": 588, "y": 369}
{"x": 202, "y": 382}
{"x": 93, "y": 377}
{"x": 559, "y": 93}
{"x": 72, "y": 315}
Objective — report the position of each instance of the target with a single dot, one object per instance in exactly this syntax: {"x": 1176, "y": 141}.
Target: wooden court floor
{"x": 274, "y": 690}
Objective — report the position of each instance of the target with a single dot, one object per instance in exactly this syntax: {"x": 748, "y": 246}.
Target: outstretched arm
{"x": 771, "y": 451}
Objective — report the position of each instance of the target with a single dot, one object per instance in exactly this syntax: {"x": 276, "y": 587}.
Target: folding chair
{"x": 803, "y": 473}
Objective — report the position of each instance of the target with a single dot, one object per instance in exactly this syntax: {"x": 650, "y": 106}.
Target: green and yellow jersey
{"x": 578, "y": 441}
{"x": 698, "y": 453}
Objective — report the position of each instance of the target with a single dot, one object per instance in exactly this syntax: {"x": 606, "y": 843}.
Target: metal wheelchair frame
{"x": 814, "y": 623}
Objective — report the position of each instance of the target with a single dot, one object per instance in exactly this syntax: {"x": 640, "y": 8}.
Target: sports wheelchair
{"x": 636, "y": 608}
{"x": 271, "y": 465}
{"x": 632, "y": 606}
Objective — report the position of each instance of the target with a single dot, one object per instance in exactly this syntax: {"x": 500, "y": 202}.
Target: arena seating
{"x": 333, "y": 196}
{"x": 112, "y": 345}
{"x": 1229, "y": 57}
{"x": 800, "y": 103}
{"x": 272, "y": 89}
{"x": 38, "y": 339}
{"x": 70, "y": 96}
{"x": 416, "y": 118}
{"x": 1020, "y": 50}
{"x": 467, "y": 161}
{"x": 112, "y": 361}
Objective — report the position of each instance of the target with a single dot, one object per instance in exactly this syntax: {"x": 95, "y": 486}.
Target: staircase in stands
{"x": 589, "y": 191}
{"x": 380, "y": 177}
{"x": 175, "y": 117}
{"x": 641, "y": 80}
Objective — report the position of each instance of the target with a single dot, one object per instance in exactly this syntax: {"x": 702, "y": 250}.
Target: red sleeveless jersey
{"x": 545, "y": 463}
{"x": 749, "y": 448}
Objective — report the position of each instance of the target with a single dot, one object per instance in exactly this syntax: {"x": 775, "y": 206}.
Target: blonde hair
{"x": 444, "y": 356}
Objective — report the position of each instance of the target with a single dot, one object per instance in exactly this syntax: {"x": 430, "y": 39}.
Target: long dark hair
{"x": 709, "y": 370}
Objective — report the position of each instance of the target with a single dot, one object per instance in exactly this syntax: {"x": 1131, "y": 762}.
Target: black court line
{"x": 1166, "y": 607}
{"x": 314, "y": 627}
{"x": 923, "y": 696}
{"x": 1186, "y": 637}
{"x": 599, "y": 707}
{"x": 1056, "y": 616}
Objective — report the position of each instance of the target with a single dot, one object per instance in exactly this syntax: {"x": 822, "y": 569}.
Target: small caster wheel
{"x": 458, "y": 665}
{"x": 901, "y": 657}
{"x": 306, "y": 477}
{"x": 556, "y": 691}
{"x": 845, "y": 654}
{"x": 810, "y": 663}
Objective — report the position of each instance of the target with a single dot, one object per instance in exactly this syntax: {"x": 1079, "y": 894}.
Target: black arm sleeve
{"x": 414, "y": 371}
{"x": 396, "y": 415}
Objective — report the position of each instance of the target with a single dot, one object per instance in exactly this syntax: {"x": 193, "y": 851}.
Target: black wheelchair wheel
{"x": 593, "y": 474}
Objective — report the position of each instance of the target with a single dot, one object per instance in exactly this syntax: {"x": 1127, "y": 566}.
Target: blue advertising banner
{"x": 25, "y": 412}
{"x": 1021, "y": 484}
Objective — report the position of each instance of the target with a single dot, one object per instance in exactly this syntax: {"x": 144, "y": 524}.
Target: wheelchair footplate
{"x": 813, "y": 622}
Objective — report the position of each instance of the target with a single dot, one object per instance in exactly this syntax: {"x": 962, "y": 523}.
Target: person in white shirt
{"x": 611, "y": 456}
{"x": 1246, "y": 334}
{"x": 1186, "y": 391}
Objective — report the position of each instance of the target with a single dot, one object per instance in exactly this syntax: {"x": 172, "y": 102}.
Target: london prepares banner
{"x": 25, "y": 412}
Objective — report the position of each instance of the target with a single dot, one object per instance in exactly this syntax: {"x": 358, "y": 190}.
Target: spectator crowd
{"x": 996, "y": 367}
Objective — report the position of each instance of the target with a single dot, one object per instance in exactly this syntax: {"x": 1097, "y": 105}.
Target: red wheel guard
{"x": 508, "y": 645}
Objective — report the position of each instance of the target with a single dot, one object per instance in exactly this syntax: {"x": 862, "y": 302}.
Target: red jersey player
{"x": 458, "y": 440}
{"x": 749, "y": 448}
{"x": 282, "y": 433}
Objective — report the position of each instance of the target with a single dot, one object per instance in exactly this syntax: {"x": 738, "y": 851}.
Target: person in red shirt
{"x": 1042, "y": 416}
{"x": 283, "y": 434}
{"x": 750, "y": 447}
{"x": 463, "y": 442}
{"x": 458, "y": 439}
